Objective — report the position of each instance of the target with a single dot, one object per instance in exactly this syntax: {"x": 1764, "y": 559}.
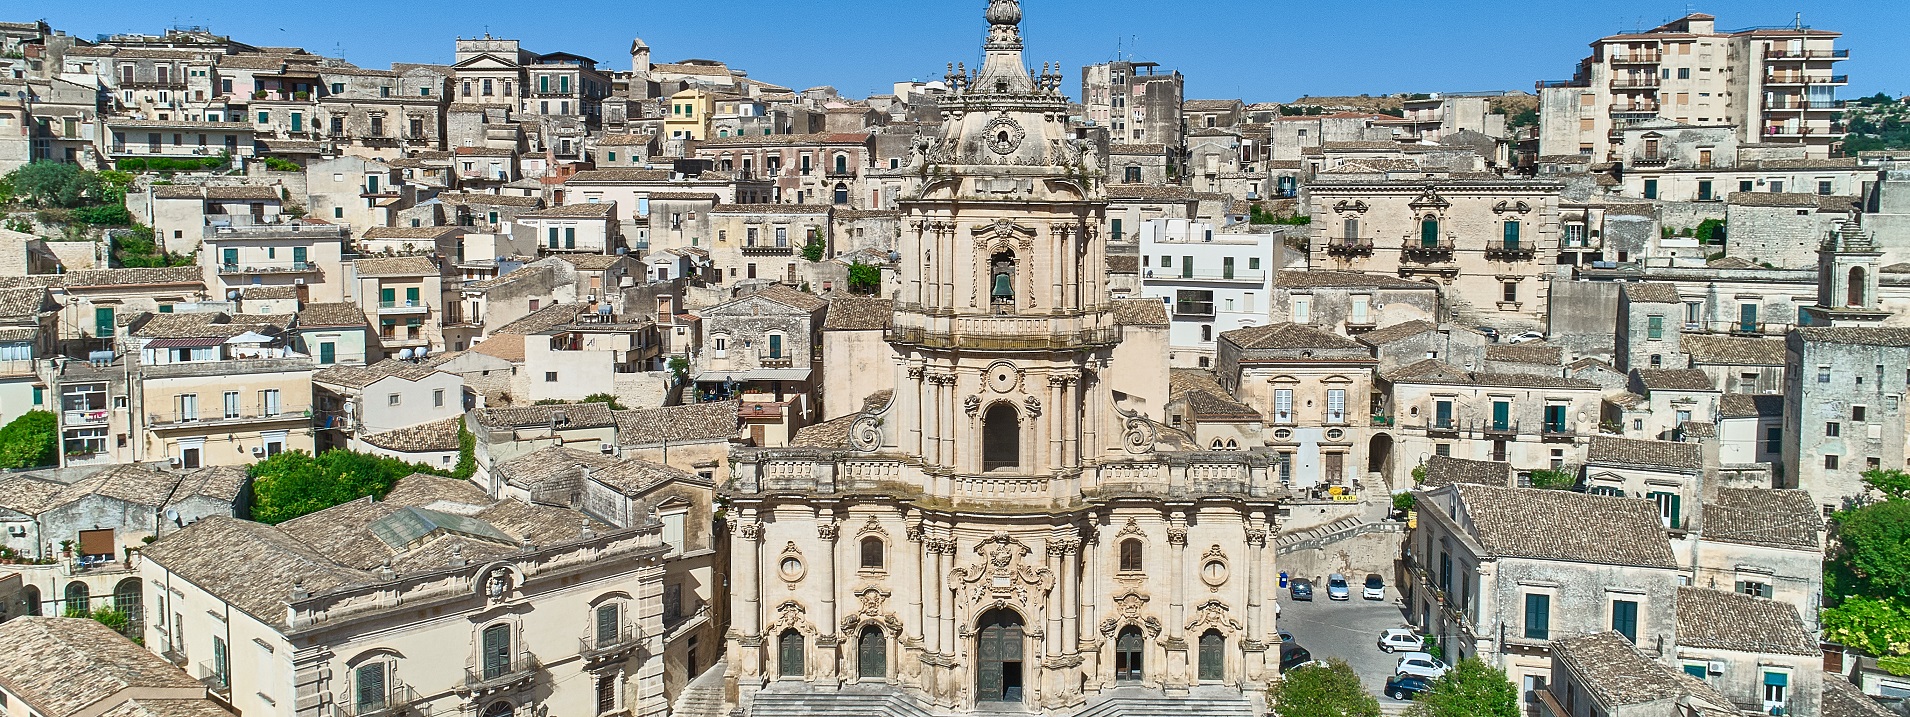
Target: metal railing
{"x": 1638, "y": 58}
{"x": 1509, "y": 249}
{"x": 397, "y": 700}
{"x": 1349, "y": 246}
{"x": 215, "y": 678}
{"x": 1625, "y": 83}
{"x": 626, "y": 637}
{"x": 1785, "y": 53}
{"x": 217, "y": 414}
{"x": 296, "y": 267}
{"x": 489, "y": 676}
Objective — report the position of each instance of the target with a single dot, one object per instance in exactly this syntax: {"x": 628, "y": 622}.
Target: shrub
{"x": 296, "y": 483}
{"x": 30, "y": 441}
{"x": 281, "y": 165}
{"x": 865, "y": 278}
{"x": 108, "y": 214}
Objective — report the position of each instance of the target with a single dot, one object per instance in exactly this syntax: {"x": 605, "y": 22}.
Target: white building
{"x": 1212, "y": 281}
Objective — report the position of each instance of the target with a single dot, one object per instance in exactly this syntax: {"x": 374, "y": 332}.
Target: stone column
{"x": 1254, "y": 643}
{"x": 1058, "y": 421}
{"x": 1176, "y": 677}
{"x": 827, "y": 641}
{"x": 749, "y": 616}
{"x": 1088, "y": 625}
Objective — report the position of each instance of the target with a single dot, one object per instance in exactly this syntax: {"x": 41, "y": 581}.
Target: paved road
{"x": 1347, "y": 630}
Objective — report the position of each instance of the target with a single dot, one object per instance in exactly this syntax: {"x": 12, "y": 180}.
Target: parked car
{"x": 1526, "y": 337}
{"x": 1292, "y": 655}
{"x": 1421, "y": 664}
{"x": 1400, "y": 638}
{"x": 1336, "y": 588}
{"x": 1300, "y": 589}
{"x": 1492, "y": 334}
{"x": 1375, "y": 587}
{"x": 1285, "y": 636}
{"x": 1406, "y": 687}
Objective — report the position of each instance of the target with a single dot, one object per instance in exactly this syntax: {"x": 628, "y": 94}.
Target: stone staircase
{"x": 703, "y": 697}
{"x": 793, "y": 699}
{"x": 1142, "y": 702}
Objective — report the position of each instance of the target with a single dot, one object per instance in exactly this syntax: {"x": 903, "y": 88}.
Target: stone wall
{"x": 1352, "y": 551}
{"x": 1583, "y": 316}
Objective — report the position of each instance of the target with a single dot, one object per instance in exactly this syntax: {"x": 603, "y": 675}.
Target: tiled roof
{"x": 770, "y": 209}
{"x": 626, "y": 140}
{"x": 783, "y": 140}
{"x": 833, "y": 433}
{"x": 1137, "y": 149}
{"x": 217, "y": 482}
{"x": 433, "y": 436}
{"x": 62, "y": 666}
{"x": 1782, "y": 517}
{"x": 1345, "y": 280}
{"x": 619, "y": 175}
{"x": 1731, "y": 262}
{"x": 1123, "y": 264}
{"x": 396, "y": 266}
{"x": 1733, "y": 350}
{"x": 1722, "y": 620}
{"x": 29, "y": 496}
{"x": 1524, "y": 523}
{"x": 362, "y": 376}
{"x": 1654, "y": 293}
{"x": 792, "y": 298}
{"x": 1210, "y": 105}
{"x": 1205, "y": 398}
{"x": 483, "y": 199}
{"x": 631, "y": 477}
{"x": 22, "y": 303}
{"x": 1531, "y": 352}
{"x": 600, "y": 210}
{"x": 1405, "y": 329}
{"x": 1675, "y": 379}
{"x": 1843, "y": 699}
{"x": 412, "y": 232}
{"x": 248, "y": 565}
{"x": 689, "y": 422}
{"x": 1616, "y": 673}
{"x": 576, "y": 415}
{"x": 330, "y": 315}
{"x": 1446, "y": 470}
{"x": 552, "y": 467}
{"x": 540, "y": 320}
{"x": 1746, "y": 405}
{"x": 255, "y": 293}
{"x": 684, "y": 197}
{"x": 1148, "y": 192}
{"x": 1858, "y": 335}
{"x": 1287, "y": 336}
{"x": 209, "y": 324}
{"x": 1772, "y": 199}
{"x": 144, "y": 276}
{"x": 1651, "y": 454}
{"x": 1435, "y": 371}
{"x": 1140, "y": 312}
{"x": 858, "y": 313}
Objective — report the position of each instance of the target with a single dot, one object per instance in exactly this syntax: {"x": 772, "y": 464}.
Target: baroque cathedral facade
{"x": 1012, "y": 527}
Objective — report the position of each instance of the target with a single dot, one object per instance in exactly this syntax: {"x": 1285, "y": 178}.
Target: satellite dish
{"x": 173, "y": 516}
{"x": 404, "y": 354}
{"x": 233, "y": 295}
{"x": 420, "y": 354}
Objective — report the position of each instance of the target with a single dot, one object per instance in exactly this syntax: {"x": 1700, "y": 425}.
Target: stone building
{"x": 1490, "y": 243}
{"x": 1352, "y": 303}
{"x": 67, "y": 667}
{"x": 1314, "y": 389}
{"x": 1021, "y": 548}
{"x": 1604, "y": 673}
{"x": 1844, "y": 388}
{"x": 1754, "y": 650}
{"x": 1137, "y": 104}
{"x": 1670, "y": 475}
{"x": 1495, "y": 577}
{"x": 1529, "y": 421}
{"x": 1763, "y": 542}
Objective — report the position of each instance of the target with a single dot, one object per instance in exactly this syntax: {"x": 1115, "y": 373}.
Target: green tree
{"x": 467, "y": 453}
{"x": 814, "y": 249}
{"x": 1329, "y": 689}
{"x": 54, "y": 184}
{"x": 1894, "y": 484}
{"x": 1872, "y": 557}
{"x": 1470, "y": 689}
{"x": 1878, "y": 627}
{"x": 1562, "y": 479}
{"x": 604, "y": 398}
{"x": 865, "y": 278}
{"x": 680, "y": 368}
{"x": 30, "y": 441}
{"x": 1404, "y": 501}
{"x": 296, "y": 483}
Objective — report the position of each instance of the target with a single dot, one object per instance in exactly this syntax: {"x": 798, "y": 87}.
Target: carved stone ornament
{"x": 1506, "y": 206}
{"x": 1177, "y": 537}
{"x": 1001, "y": 575}
{"x": 1213, "y": 613}
{"x": 865, "y": 434}
{"x": 1005, "y": 135}
{"x": 790, "y": 614}
{"x": 1256, "y": 538}
{"x": 1002, "y": 377}
{"x": 1357, "y": 206}
{"x": 874, "y": 526}
{"x": 497, "y": 584}
{"x": 972, "y": 404}
{"x": 1429, "y": 199}
{"x": 1032, "y": 405}
{"x": 1005, "y": 231}
{"x": 828, "y": 531}
{"x": 750, "y": 531}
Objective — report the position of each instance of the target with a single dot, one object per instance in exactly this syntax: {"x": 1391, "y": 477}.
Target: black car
{"x": 1492, "y": 334}
{"x": 1300, "y": 589}
{"x": 1293, "y": 655}
{"x": 1406, "y": 687}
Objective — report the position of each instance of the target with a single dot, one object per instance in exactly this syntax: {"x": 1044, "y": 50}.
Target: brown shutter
{"x": 97, "y": 542}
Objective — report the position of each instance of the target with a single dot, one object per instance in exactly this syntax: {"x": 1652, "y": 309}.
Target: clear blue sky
{"x": 1258, "y": 50}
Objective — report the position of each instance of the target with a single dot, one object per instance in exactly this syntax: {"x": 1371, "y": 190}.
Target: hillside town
{"x": 623, "y": 387}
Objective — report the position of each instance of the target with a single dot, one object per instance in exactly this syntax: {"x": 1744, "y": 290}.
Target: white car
{"x": 1526, "y": 337}
{"x": 1375, "y": 588}
{"x": 1422, "y": 665}
{"x": 1401, "y": 639}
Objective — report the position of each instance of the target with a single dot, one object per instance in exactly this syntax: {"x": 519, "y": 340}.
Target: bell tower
{"x": 1847, "y": 265}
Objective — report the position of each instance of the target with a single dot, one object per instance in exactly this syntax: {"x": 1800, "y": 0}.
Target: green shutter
{"x": 1538, "y": 616}
{"x": 1695, "y": 671}
{"x": 1429, "y": 232}
{"x": 411, "y": 296}
{"x": 1501, "y": 415}
{"x": 1777, "y": 678}
{"x": 388, "y": 297}
{"x": 1625, "y": 618}
{"x": 1655, "y": 327}
{"x": 610, "y": 156}
{"x": 1512, "y": 235}
{"x": 103, "y": 322}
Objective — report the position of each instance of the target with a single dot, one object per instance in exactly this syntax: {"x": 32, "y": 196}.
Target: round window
{"x": 791, "y": 569}
{"x": 1214, "y": 573}
{"x": 1282, "y": 434}
{"x": 1334, "y": 434}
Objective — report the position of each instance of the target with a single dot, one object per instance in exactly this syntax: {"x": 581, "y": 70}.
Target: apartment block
{"x": 1135, "y": 103}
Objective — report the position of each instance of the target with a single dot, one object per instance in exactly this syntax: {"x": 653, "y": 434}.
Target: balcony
{"x": 1509, "y": 250}
{"x": 84, "y": 417}
{"x": 1634, "y": 83}
{"x": 1446, "y": 427}
{"x": 596, "y": 647}
{"x": 1253, "y": 276}
{"x": 1427, "y": 251}
{"x": 1785, "y": 53}
{"x": 492, "y": 677}
{"x": 1634, "y": 108}
{"x": 293, "y": 267}
{"x": 1350, "y": 246}
{"x": 768, "y": 250}
{"x": 1007, "y": 333}
{"x": 404, "y": 306}
{"x": 1638, "y": 58}
{"x": 245, "y": 414}
{"x": 1799, "y": 78}
{"x": 1801, "y": 131}
{"x": 216, "y": 679}
{"x": 1658, "y": 160}
{"x": 17, "y": 367}
{"x": 401, "y": 699}
{"x": 1799, "y": 103}
{"x": 1194, "y": 309}
{"x": 1557, "y": 433}
{"x": 1499, "y": 429}
{"x": 840, "y": 173}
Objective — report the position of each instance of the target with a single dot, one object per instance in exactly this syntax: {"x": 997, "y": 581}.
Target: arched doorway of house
{"x": 998, "y": 649}
{"x": 1213, "y": 656}
{"x": 1379, "y": 456}
{"x": 126, "y": 599}
{"x": 1001, "y": 437}
{"x": 1855, "y": 292}
{"x": 31, "y": 595}
{"x": 1128, "y": 649}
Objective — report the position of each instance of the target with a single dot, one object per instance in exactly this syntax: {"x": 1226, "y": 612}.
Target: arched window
{"x": 1206, "y": 332}
{"x": 1855, "y": 292}
{"x": 1429, "y": 231}
{"x": 77, "y": 597}
{"x": 31, "y": 596}
{"x": 499, "y": 709}
{"x": 789, "y": 649}
{"x": 1657, "y": 360}
{"x": 1232, "y": 446}
{"x": 1131, "y": 555}
{"x": 842, "y": 164}
{"x": 1001, "y": 437}
{"x": 872, "y": 553}
{"x": 496, "y": 647}
{"x": 872, "y": 653}
{"x": 842, "y": 193}
{"x": 1128, "y": 648}
{"x": 127, "y": 600}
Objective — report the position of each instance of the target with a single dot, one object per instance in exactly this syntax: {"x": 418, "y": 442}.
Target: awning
{"x": 761, "y": 374}
{"x": 188, "y": 343}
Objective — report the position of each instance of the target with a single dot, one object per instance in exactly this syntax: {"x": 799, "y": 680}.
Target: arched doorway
{"x": 998, "y": 646}
{"x": 1001, "y": 437}
{"x": 1128, "y": 648}
{"x": 789, "y": 649}
{"x": 78, "y": 598}
{"x": 1855, "y": 292}
{"x": 872, "y": 653}
{"x": 1213, "y": 656}
{"x": 1379, "y": 456}
{"x": 31, "y": 595}
{"x": 842, "y": 193}
{"x": 126, "y": 599}
{"x": 499, "y": 709}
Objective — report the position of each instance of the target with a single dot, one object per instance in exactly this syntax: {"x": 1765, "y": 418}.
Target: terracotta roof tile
{"x": 1523, "y": 523}
{"x": 1648, "y": 454}
{"x": 1721, "y": 620}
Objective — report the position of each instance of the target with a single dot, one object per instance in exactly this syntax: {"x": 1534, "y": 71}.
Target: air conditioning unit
{"x": 16, "y": 530}
{"x": 1715, "y": 667}
{"x": 591, "y": 299}
{"x": 173, "y": 461}
{"x": 298, "y": 282}
{"x": 609, "y": 449}
{"x": 258, "y": 451}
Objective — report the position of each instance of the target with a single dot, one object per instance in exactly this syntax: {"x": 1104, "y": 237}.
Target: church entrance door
{"x": 998, "y": 647}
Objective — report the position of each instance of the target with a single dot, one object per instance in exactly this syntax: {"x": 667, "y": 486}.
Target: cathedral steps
{"x": 703, "y": 697}
{"x": 796, "y": 700}
{"x": 1142, "y": 702}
